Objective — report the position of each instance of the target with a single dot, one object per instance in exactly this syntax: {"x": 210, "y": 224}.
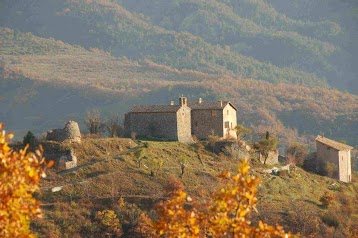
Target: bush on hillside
{"x": 173, "y": 184}
{"x": 330, "y": 219}
{"x": 113, "y": 126}
{"x": 108, "y": 223}
{"x": 266, "y": 145}
{"x": 327, "y": 199}
{"x": 330, "y": 169}
{"x": 29, "y": 139}
{"x": 94, "y": 123}
{"x": 298, "y": 153}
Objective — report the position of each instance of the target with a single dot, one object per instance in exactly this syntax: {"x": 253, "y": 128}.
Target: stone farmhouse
{"x": 218, "y": 118}
{"x": 181, "y": 122}
{"x": 337, "y": 153}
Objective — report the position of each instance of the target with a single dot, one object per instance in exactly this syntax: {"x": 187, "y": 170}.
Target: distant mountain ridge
{"x": 107, "y": 25}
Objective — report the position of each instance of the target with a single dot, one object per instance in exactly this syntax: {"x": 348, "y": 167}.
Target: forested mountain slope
{"x": 45, "y": 82}
{"x": 249, "y": 38}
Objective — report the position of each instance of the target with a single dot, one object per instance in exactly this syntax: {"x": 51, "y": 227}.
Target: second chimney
{"x": 171, "y": 103}
{"x": 200, "y": 100}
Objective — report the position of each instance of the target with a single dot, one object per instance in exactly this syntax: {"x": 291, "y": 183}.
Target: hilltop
{"x": 108, "y": 170}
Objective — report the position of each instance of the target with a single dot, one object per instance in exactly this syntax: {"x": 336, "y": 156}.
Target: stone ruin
{"x": 71, "y": 133}
{"x": 271, "y": 159}
{"x": 68, "y": 161}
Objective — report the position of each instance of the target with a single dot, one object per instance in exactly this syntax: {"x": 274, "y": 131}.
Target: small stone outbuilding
{"x": 68, "y": 161}
{"x": 337, "y": 153}
{"x": 272, "y": 158}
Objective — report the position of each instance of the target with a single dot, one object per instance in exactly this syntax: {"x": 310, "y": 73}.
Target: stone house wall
{"x": 230, "y": 122}
{"x": 152, "y": 124}
{"x": 184, "y": 124}
{"x": 325, "y": 154}
{"x": 345, "y": 169}
{"x": 205, "y": 122}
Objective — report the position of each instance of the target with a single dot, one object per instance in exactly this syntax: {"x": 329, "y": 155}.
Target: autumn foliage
{"x": 20, "y": 174}
{"x": 327, "y": 199}
{"x": 225, "y": 216}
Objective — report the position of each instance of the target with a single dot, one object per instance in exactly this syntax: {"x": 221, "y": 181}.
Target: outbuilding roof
{"x": 155, "y": 108}
{"x": 209, "y": 105}
{"x": 334, "y": 144}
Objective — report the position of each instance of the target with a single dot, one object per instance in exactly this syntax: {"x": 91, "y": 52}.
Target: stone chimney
{"x": 200, "y": 100}
{"x": 182, "y": 101}
{"x": 221, "y": 103}
{"x": 171, "y": 103}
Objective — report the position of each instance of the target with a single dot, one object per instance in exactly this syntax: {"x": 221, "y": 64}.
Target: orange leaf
{"x": 50, "y": 164}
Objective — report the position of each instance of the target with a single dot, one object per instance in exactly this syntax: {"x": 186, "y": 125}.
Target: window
{"x": 214, "y": 113}
{"x": 196, "y": 124}
{"x": 227, "y": 124}
{"x": 227, "y": 112}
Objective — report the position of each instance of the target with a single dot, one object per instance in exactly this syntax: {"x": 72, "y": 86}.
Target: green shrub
{"x": 330, "y": 219}
{"x": 330, "y": 169}
{"x": 29, "y": 139}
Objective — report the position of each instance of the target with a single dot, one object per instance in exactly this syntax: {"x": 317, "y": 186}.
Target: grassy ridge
{"x": 98, "y": 186}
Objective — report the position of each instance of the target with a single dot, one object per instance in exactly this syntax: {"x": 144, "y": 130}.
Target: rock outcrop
{"x": 71, "y": 133}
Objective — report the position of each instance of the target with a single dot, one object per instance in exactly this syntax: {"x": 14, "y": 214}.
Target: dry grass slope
{"x": 283, "y": 200}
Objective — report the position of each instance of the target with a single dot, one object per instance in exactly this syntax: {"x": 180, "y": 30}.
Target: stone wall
{"x": 68, "y": 161}
{"x": 184, "y": 124}
{"x": 326, "y": 154}
{"x": 205, "y": 122}
{"x": 70, "y": 133}
{"x": 229, "y": 117}
{"x": 345, "y": 167}
{"x": 271, "y": 159}
{"x": 151, "y": 124}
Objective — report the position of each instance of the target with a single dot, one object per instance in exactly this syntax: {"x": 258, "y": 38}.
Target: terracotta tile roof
{"x": 209, "y": 105}
{"x": 155, "y": 108}
{"x": 334, "y": 144}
